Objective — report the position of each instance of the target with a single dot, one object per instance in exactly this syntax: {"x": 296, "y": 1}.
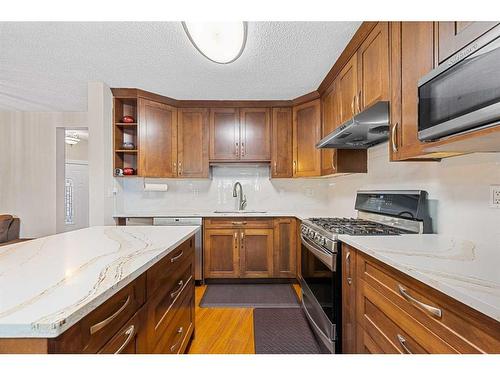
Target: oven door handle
{"x": 325, "y": 257}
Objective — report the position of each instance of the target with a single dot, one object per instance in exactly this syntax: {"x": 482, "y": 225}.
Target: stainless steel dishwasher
{"x": 198, "y": 239}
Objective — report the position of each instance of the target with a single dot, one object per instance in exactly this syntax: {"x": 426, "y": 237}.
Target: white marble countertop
{"x": 50, "y": 283}
{"x": 464, "y": 270}
{"x": 299, "y": 214}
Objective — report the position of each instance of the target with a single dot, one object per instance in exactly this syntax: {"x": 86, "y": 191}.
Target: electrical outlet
{"x": 495, "y": 196}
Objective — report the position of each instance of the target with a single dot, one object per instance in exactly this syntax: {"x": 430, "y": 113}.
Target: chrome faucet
{"x": 242, "y": 201}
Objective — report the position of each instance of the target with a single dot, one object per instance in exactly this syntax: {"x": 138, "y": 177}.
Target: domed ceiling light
{"x": 220, "y": 42}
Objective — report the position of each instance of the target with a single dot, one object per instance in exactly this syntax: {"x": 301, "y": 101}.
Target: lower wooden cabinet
{"x": 398, "y": 314}
{"x": 256, "y": 253}
{"x": 250, "y": 248}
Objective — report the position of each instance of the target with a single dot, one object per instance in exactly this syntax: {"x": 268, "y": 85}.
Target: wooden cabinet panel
{"x": 224, "y": 134}
{"x": 412, "y": 56}
{"x": 238, "y": 222}
{"x": 285, "y": 247}
{"x": 306, "y": 133}
{"x": 282, "y": 143}
{"x": 373, "y": 67}
{"x": 348, "y": 299}
{"x": 255, "y": 134}
{"x": 192, "y": 144}
{"x": 453, "y": 36}
{"x": 157, "y": 139}
{"x": 221, "y": 253}
{"x": 131, "y": 339}
{"x": 256, "y": 253}
{"x": 348, "y": 89}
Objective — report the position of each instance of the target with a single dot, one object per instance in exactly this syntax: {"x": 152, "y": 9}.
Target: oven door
{"x": 320, "y": 284}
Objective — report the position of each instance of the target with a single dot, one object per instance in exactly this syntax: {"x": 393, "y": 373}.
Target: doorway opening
{"x": 76, "y": 179}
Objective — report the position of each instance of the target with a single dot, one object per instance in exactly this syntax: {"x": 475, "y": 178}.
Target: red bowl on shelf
{"x": 128, "y": 119}
{"x": 128, "y": 171}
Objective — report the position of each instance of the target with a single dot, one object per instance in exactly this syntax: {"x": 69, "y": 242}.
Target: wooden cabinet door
{"x": 373, "y": 67}
{"x": 282, "y": 143}
{"x": 255, "y": 134}
{"x": 285, "y": 247}
{"x": 453, "y": 36}
{"x": 348, "y": 300}
{"x": 192, "y": 142}
{"x": 157, "y": 139}
{"x": 412, "y": 56}
{"x": 348, "y": 89}
{"x": 256, "y": 253}
{"x": 222, "y": 253}
{"x": 224, "y": 134}
{"x": 306, "y": 133}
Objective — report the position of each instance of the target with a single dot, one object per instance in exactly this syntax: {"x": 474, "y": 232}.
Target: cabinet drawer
{"x": 462, "y": 328}
{"x": 129, "y": 339}
{"x": 166, "y": 271}
{"x": 163, "y": 306}
{"x": 106, "y": 320}
{"x": 393, "y": 330}
{"x": 239, "y": 222}
{"x": 179, "y": 325}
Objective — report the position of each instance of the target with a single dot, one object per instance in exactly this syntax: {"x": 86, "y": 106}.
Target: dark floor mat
{"x": 283, "y": 331}
{"x": 250, "y": 295}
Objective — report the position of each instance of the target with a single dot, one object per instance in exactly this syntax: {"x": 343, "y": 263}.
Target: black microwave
{"x": 463, "y": 93}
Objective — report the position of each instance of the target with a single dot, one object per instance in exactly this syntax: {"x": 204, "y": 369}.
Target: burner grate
{"x": 356, "y": 227}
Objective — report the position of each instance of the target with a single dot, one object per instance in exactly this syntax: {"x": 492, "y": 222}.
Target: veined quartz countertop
{"x": 464, "y": 270}
{"x": 50, "y": 283}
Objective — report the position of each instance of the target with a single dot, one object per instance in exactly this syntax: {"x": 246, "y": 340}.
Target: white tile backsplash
{"x": 262, "y": 192}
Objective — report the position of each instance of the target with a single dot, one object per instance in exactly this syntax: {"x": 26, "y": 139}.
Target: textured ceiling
{"x": 46, "y": 66}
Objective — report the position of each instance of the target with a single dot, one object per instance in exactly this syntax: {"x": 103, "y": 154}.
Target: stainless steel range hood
{"x": 362, "y": 131}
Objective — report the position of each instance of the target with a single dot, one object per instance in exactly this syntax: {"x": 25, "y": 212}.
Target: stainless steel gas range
{"x": 380, "y": 213}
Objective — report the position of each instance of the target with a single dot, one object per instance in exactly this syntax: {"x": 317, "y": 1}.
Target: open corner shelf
{"x": 125, "y": 132}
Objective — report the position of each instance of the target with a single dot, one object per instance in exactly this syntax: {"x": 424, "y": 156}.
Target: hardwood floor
{"x": 223, "y": 330}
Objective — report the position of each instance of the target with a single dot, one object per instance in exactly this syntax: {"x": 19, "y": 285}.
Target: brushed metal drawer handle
{"x": 130, "y": 333}
{"x": 98, "y": 326}
{"x": 393, "y": 137}
{"x": 174, "y": 294}
{"x": 239, "y": 222}
{"x": 430, "y": 309}
{"x": 179, "y": 332}
{"x": 174, "y": 259}
{"x": 402, "y": 342}
{"x": 348, "y": 266}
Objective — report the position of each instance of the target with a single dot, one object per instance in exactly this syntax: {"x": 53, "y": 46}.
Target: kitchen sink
{"x": 240, "y": 212}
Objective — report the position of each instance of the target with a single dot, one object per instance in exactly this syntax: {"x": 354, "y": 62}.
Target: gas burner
{"x": 355, "y": 227}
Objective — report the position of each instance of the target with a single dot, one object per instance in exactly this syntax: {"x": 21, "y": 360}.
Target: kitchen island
{"x": 126, "y": 287}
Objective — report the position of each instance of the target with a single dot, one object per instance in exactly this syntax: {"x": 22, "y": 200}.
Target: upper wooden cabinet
{"x": 240, "y": 134}
{"x": 282, "y": 143}
{"x": 224, "y": 134}
{"x": 412, "y": 56}
{"x": 373, "y": 67}
{"x": 192, "y": 144}
{"x": 347, "y": 85}
{"x": 157, "y": 139}
{"x": 453, "y": 36}
{"x": 335, "y": 161}
{"x": 306, "y": 133}
{"x": 255, "y": 134}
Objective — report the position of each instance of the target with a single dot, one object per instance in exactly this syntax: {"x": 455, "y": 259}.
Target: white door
{"x": 76, "y": 195}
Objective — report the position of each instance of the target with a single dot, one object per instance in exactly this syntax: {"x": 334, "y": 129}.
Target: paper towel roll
{"x": 155, "y": 187}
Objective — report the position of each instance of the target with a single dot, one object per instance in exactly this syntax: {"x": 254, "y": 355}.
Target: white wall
{"x": 78, "y": 151}
{"x": 28, "y": 167}
{"x": 216, "y": 193}
{"x": 31, "y": 164}
{"x": 458, "y": 188}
